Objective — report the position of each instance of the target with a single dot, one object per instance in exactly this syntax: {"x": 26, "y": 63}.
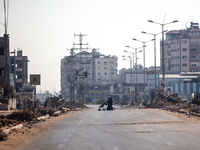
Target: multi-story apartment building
{"x": 182, "y": 50}
{"x": 19, "y": 68}
{"x": 84, "y": 68}
{"x": 74, "y": 70}
{"x": 105, "y": 68}
{"x": 4, "y": 63}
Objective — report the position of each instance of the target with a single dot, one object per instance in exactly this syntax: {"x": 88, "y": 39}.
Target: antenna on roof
{"x": 164, "y": 19}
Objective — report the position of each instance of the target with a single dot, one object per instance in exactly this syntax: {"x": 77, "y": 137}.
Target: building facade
{"x": 182, "y": 50}
{"x": 4, "y": 61}
{"x": 86, "y": 69}
{"x": 105, "y": 68}
{"x": 19, "y": 69}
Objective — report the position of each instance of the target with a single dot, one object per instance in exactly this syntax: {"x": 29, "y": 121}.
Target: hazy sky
{"x": 44, "y": 29}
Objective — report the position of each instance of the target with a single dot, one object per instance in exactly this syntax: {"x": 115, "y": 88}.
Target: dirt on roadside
{"x": 18, "y": 138}
{"x": 184, "y": 117}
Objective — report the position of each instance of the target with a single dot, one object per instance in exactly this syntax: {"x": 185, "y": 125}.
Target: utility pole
{"x": 71, "y": 77}
{"x": 6, "y": 47}
{"x": 80, "y": 70}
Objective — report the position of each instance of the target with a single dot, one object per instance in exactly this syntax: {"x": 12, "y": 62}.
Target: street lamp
{"x": 131, "y": 76}
{"x": 163, "y": 55}
{"x": 154, "y": 51}
{"x": 143, "y": 58}
{"x": 135, "y": 68}
{"x": 132, "y": 81}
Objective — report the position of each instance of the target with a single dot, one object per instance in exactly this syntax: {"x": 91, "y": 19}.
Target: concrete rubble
{"x": 175, "y": 104}
{"x": 18, "y": 119}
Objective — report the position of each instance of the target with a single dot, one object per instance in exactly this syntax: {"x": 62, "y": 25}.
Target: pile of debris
{"x": 172, "y": 103}
{"x": 13, "y": 121}
{"x": 16, "y": 118}
{"x": 175, "y": 104}
{"x": 195, "y": 109}
{"x": 3, "y": 136}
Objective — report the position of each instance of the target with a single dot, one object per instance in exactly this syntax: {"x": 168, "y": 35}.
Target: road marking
{"x": 169, "y": 143}
{"x": 115, "y": 148}
{"x": 80, "y": 122}
{"x": 60, "y": 146}
{"x": 73, "y": 130}
{"x": 86, "y": 114}
{"x": 130, "y": 113}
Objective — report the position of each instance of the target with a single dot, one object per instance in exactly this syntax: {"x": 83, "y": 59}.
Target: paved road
{"x": 119, "y": 130}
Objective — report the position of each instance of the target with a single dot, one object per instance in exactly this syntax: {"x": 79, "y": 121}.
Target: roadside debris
{"x": 174, "y": 103}
{"x": 3, "y": 135}
{"x": 54, "y": 106}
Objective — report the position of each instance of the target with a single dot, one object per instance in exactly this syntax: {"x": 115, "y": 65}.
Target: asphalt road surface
{"x": 119, "y": 130}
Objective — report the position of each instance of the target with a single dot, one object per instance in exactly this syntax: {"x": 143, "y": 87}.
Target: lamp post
{"x": 135, "y": 68}
{"x": 131, "y": 77}
{"x": 143, "y": 58}
{"x": 132, "y": 81}
{"x": 154, "y": 51}
{"x": 163, "y": 55}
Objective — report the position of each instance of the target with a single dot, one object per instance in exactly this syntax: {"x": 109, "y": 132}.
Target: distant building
{"x": 19, "y": 71}
{"x": 19, "y": 68}
{"x": 105, "y": 68}
{"x": 86, "y": 69}
{"x": 182, "y": 50}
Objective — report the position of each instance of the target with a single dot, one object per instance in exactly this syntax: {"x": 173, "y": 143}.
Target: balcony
{"x": 18, "y": 69}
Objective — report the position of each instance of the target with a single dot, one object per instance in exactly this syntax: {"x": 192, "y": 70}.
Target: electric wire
{"x": 41, "y": 66}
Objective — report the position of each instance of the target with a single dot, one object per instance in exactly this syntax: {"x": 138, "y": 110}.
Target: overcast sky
{"x": 44, "y": 29}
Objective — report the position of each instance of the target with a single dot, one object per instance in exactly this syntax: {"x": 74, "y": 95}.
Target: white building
{"x": 84, "y": 68}
{"x": 106, "y": 68}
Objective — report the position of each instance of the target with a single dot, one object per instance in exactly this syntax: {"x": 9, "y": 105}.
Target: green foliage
{"x": 12, "y": 91}
{"x": 145, "y": 103}
{"x": 139, "y": 101}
